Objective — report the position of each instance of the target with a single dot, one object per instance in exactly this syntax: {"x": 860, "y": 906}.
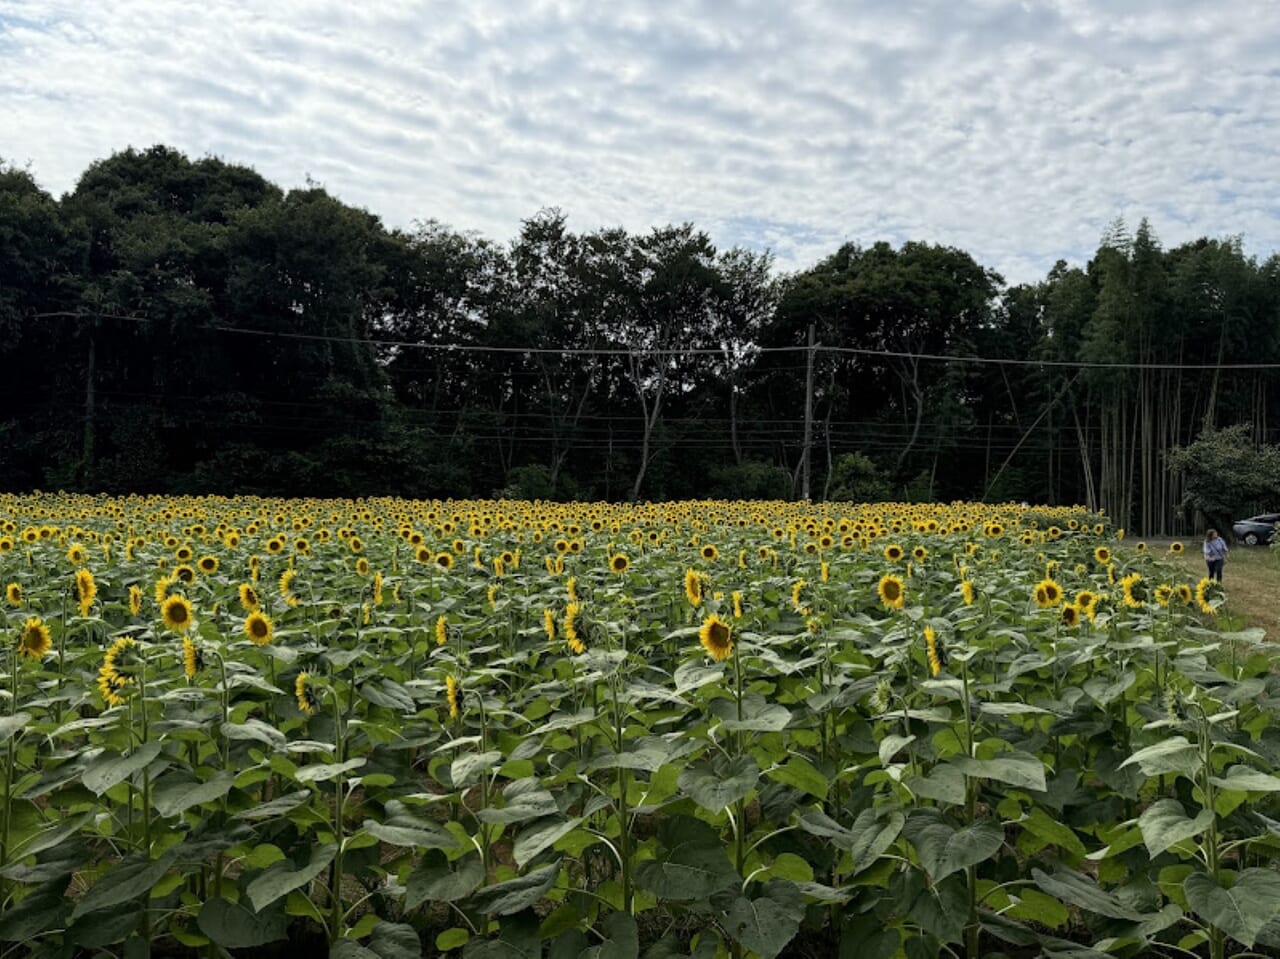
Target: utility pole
{"x": 91, "y": 373}
{"x": 807, "y": 456}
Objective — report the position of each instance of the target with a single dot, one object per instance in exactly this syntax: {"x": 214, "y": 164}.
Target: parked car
{"x": 1256, "y": 529}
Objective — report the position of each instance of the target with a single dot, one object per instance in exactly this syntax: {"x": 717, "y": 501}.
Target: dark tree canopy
{"x": 186, "y": 325}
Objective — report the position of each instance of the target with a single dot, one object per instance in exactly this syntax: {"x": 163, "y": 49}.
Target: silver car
{"x": 1256, "y": 529}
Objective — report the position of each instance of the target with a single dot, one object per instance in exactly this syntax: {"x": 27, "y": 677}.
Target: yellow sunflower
{"x": 693, "y": 587}
{"x": 192, "y": 658}
{"x": 34, "y": 640}
{"x": 619, "y": 563}
{"x": 307, "y": 701}
{"x": 892, "y": 593}
{"x": 86, "y": 590}
{"x": 208, "y": 565}
{"x": 258, "y": 628}
{"x": 248, "y": 597}
{"x": 1047, "y": 594}
{"x": 13, "y": 594}
{"x": 442, "y": 631}
{"x": 176, "y": 613}
{"x": 716, "y": 637}
{"x": 452, "y": 694}
{"x": 931, "y": 647}
{"x": 135, "y": 600}
{"x": 966, "y": 591}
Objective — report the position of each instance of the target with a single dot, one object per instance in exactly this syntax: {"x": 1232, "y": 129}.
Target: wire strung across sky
{"x": 681, "y": 351}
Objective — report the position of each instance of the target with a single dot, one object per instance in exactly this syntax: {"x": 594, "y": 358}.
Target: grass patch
{"x": 1252, "y": 581}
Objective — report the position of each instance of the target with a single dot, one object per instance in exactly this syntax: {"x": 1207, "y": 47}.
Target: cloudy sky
{"x": 1015, "y": 130}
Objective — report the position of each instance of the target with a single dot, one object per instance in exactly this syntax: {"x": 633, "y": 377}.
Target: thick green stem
{"x": 339, "y": 813}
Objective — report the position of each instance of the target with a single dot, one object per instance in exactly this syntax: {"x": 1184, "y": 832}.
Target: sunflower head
{"x": 966, "y": 591}
{"x": 693, "y": 587}
{"x": 1070, "y": 615}
{"x": 893, "y": 552}
{"x": 1047, "y": 593}
{"x": 177, "y": 613}
{"x": 248, "y": 597}
{"x": 258, "y": 628}
{"x": 135, "y": 600}
{"x": 619, "y": 563}
{"x": 208, "y": 565}
{"x": 716, "y": 637}
{"x": 892, "y": 592}
{"x": 452, "y": 696}
{"x": 13, "y": 595}
{"x": 34, "y": 640}
{"x": 192, "y": 658}
{"x": 302, "y": 689}
{"x": 86, "y": 590}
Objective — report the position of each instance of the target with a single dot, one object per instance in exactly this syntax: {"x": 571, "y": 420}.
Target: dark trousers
{"x": 1215, "y": 569}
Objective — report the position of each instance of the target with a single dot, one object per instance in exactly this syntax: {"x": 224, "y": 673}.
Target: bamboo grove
{"x": 177, "y": 325}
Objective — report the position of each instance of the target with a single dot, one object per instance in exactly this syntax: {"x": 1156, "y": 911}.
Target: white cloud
{"x": 1010, "y": 129}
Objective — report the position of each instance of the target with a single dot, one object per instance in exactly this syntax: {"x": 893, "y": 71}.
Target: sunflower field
{"x": 383, "y": 729}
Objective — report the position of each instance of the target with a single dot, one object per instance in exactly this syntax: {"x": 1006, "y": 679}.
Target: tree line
{"x": 185, "y": 325}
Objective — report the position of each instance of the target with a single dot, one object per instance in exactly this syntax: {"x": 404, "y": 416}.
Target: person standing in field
{"x": 1215, "y": 553}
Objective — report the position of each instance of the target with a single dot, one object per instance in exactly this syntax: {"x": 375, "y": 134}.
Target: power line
{"x": 465, "y": 348}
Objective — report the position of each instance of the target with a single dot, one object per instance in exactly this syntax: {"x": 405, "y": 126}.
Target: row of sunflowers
{"x": 392, "y": 728}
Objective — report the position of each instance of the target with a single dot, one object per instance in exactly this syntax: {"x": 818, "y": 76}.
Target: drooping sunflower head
{"x": 716, "y": 637}
{"x": 286, "y": 587}
{"x": 966, "y": 592}
{"x": 693, "y": 587}
{"x": 933, "y": 650}
{"x": 258, "y": 627}
{"x": 892, "y": 592}
{"x": 452, "y": 696}
{"x": 34, "y": 640}
{"x": 13, "y": 595}
{"x": 192, "y": 658}
{"x": 176, "y": 613}
{"x": 86, "y": 590}
{"x": 306, "y": 696}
